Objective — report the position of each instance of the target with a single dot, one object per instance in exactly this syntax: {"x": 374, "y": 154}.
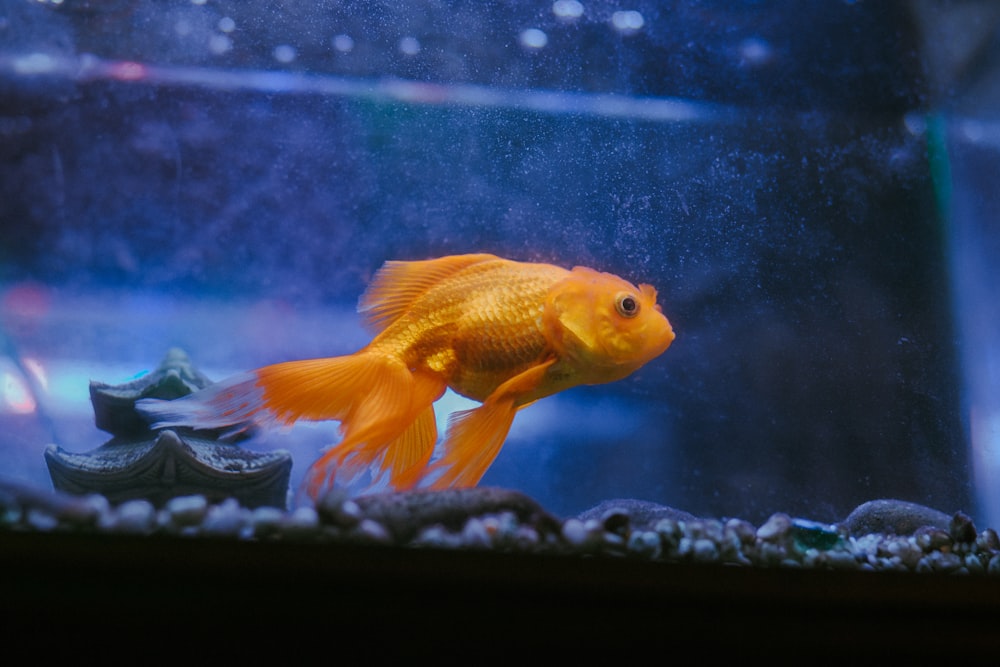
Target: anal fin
{"x": 476, "y": 436}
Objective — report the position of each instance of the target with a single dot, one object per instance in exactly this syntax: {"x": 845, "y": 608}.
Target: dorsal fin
{"x": 398, "y": 284}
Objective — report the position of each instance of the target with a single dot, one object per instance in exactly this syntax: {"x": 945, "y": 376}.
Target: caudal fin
{"x": 384, "y": 433}
{"x": 314, "y": 389}
{"x": 232, "y": 405}
{"x": 383, "y": 407}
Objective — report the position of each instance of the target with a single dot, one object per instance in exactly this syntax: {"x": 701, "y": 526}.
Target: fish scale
{"x": 479, "y": 328}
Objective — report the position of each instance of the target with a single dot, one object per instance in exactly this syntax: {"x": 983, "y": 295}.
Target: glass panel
{"x": 226, "y": 178}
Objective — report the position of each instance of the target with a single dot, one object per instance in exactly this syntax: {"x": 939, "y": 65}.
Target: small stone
{"x": 404, "y": 514}
{"x": 941, "y": 561}
{"x": 475, "y": 535}
{"x": 705, "y": 551}
{"x": 961, "y": 529}
{"x": 738, "y": 534}
{"x": 988, "y": 540}
{"x": 974, "y": 564}
{"x": 187, "y": 510}
{"x": 775, "y": 528}
{"x": 616, "y": 521}
{"x": 226, "y": 519}
{"x": 769, "y": 554}
{"x": 133, "y": 516}
{"x": 37, "y": 519}
{"x": 437, "y": 537}
{"x": 930, "y": 539}
{"x": 372, "y": 531}
{"x": 266, "y": 522}
{"x": 814, "y": 535}
{"x": 906, "y": 550}
{"x": 574, "y": 532}
{"x": 10, "y": 515}
{"x": 337, "y": 508}
{"x": 84, "y": 511}
{"x": 301, "y": 522}
{"x": 644, "y": 543}
{"x": 840, "y": 560}
{"x": 507, "y": 526}
{"x": 526, "y": 537}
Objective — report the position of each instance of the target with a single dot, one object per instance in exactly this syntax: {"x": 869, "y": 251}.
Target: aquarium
{"x": 194, "y": 189}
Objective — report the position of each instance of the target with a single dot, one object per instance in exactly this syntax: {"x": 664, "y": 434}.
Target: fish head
{"x": 604, "y": 326}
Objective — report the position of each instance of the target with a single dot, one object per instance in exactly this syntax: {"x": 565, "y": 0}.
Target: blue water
{"x": 229, "y": 181}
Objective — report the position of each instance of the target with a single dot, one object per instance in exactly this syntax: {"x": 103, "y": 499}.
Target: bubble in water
{"x": 533, "y": 38}
{"x": 409, "y": 46}
{"x": 284, "y": 53}
{"x": 627, "y": 22}
{"x": 219, "y": 44}
{"x": 567, "y": 9}
{"x": 343, "y": 43}
{"x": 226, "y": 24}
{"x": 756, "y": 51}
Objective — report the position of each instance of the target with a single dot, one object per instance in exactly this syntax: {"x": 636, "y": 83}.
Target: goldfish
{"x": 501, "y": 332}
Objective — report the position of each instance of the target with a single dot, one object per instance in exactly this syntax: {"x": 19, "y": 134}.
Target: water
{"x": 226, "y": 178}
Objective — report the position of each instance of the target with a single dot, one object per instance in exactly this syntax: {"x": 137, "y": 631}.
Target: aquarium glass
{"x": 810, "y": 186}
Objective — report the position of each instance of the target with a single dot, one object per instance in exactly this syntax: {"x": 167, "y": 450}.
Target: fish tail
{"x": 232, "y": 405}
{"x": 280, "y": 394}
{"x": 387, "y": 424}
{"x": 383, "y": 408}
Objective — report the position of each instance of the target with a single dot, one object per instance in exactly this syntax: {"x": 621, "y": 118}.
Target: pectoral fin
{"x": 475, "y": 436}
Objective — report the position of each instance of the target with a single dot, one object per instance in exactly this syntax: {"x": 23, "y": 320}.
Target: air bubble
{"x": 284, "y": 53}
{"x": 756, "y": 51}
{"x": 409, "y": 46}
{"x": 567, "y": 9}
{"x": 219, "y": 44}
{"x": 533, "y": 38}
{"x": 226, "y": 24}
{"x": 343, "y": 43}
{"x": 627, "y": 22}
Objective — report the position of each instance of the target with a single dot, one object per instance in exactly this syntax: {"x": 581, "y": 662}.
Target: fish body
{"x": 501, "y": 332}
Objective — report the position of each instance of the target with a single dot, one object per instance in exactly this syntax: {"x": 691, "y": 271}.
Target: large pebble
{"x": 893, "y": 517}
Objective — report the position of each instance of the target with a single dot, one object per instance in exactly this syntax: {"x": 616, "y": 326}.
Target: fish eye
{"x": 627, "y": 305}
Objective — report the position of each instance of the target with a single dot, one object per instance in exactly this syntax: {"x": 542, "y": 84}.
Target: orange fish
{"x": 497, "y": 331}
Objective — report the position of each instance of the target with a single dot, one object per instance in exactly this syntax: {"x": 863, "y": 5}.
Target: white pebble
{"x": 437, "y": 536}
{"x": 266, "y": 521}
{"x": 225, "y": 519}
{"x": 775, "y": 527}
{"x": 301, "y": 522}
{"x": 474, "y": 534}
{"x": 574, "y": 532}
{"x": 644, "y": 543}
{"x": 133, "y": 516}
{"x": 705, "y": 551}
{"x": 372, "y": 531}
{"x": 40, "y": 520}
{"x": 187, "y": 510}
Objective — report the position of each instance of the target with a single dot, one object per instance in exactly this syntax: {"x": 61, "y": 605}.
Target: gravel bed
{"x": 503, "y": 520}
